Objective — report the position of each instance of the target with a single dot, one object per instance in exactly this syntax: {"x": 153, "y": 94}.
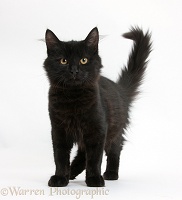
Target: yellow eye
{"x": 63, "y": 61}
{"x": 84, "y": 61}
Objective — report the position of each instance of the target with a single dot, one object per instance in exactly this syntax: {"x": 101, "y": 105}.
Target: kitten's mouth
{"x": 76, "y": 79}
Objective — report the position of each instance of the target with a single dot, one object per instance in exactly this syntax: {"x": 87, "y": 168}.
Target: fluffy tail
{"x": 132, "y": 75}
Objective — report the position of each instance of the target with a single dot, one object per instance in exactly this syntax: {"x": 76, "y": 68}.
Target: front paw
{"x": 110, "y": 175}
{"x": 58, "y": 181}
{"x": 95, "y": 181}
{"x": 72, "y": 177}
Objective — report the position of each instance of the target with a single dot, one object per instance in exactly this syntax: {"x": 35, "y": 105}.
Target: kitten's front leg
{"x": 94, "y": 153}
{"x": 61, "y": 146}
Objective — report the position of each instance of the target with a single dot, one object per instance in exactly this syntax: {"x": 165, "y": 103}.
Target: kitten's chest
{"x": 73, "y": 102}
{"x": 72, "y": 111}
{"x": 72, "y": 115}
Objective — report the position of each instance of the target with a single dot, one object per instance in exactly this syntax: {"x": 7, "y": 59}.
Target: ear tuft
{"x": 92, "y": 39}
{"x": 51, "y": 39}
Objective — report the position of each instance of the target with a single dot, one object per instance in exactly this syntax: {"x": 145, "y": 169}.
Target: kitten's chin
{"x": 77, "y": 82}
{"x": 72, "y": 82}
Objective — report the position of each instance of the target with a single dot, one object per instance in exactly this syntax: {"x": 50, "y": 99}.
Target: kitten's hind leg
{"x": 113, "y": 157}
{"x": 78, "y": 164}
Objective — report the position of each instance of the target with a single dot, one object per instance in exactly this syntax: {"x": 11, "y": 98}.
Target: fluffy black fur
{"x": 87, "y": 108}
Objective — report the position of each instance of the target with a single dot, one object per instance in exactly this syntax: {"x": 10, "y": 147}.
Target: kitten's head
{"x": 73, "y": 63}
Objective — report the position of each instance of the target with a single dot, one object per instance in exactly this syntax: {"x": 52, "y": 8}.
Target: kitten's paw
{"x": 73, "y": 173}
{"x": 110, "y": 175}
{"x": 72, "y": 177}
{"x": 95, "y": 181}
{"x": 58, "y": 181}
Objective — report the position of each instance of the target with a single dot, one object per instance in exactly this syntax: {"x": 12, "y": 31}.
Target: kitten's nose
{"x": 74, "y": 70}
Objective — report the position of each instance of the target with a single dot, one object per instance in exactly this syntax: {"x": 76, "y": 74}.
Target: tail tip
{"x": 136, "y": 34}
{"x": 128, "y": 35}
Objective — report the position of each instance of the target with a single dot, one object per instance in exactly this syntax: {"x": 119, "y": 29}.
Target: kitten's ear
{"x": 92, "y": 39}
{"x": 51, "y": 39}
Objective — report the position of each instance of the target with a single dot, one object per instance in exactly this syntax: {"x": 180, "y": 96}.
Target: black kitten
{"x": 87, "y": 108}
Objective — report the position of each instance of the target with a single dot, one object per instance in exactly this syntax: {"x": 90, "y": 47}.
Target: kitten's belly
{"x": 73, "y": 125}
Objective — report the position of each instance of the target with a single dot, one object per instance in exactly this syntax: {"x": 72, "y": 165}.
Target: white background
{"x": 151, "y": 162}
